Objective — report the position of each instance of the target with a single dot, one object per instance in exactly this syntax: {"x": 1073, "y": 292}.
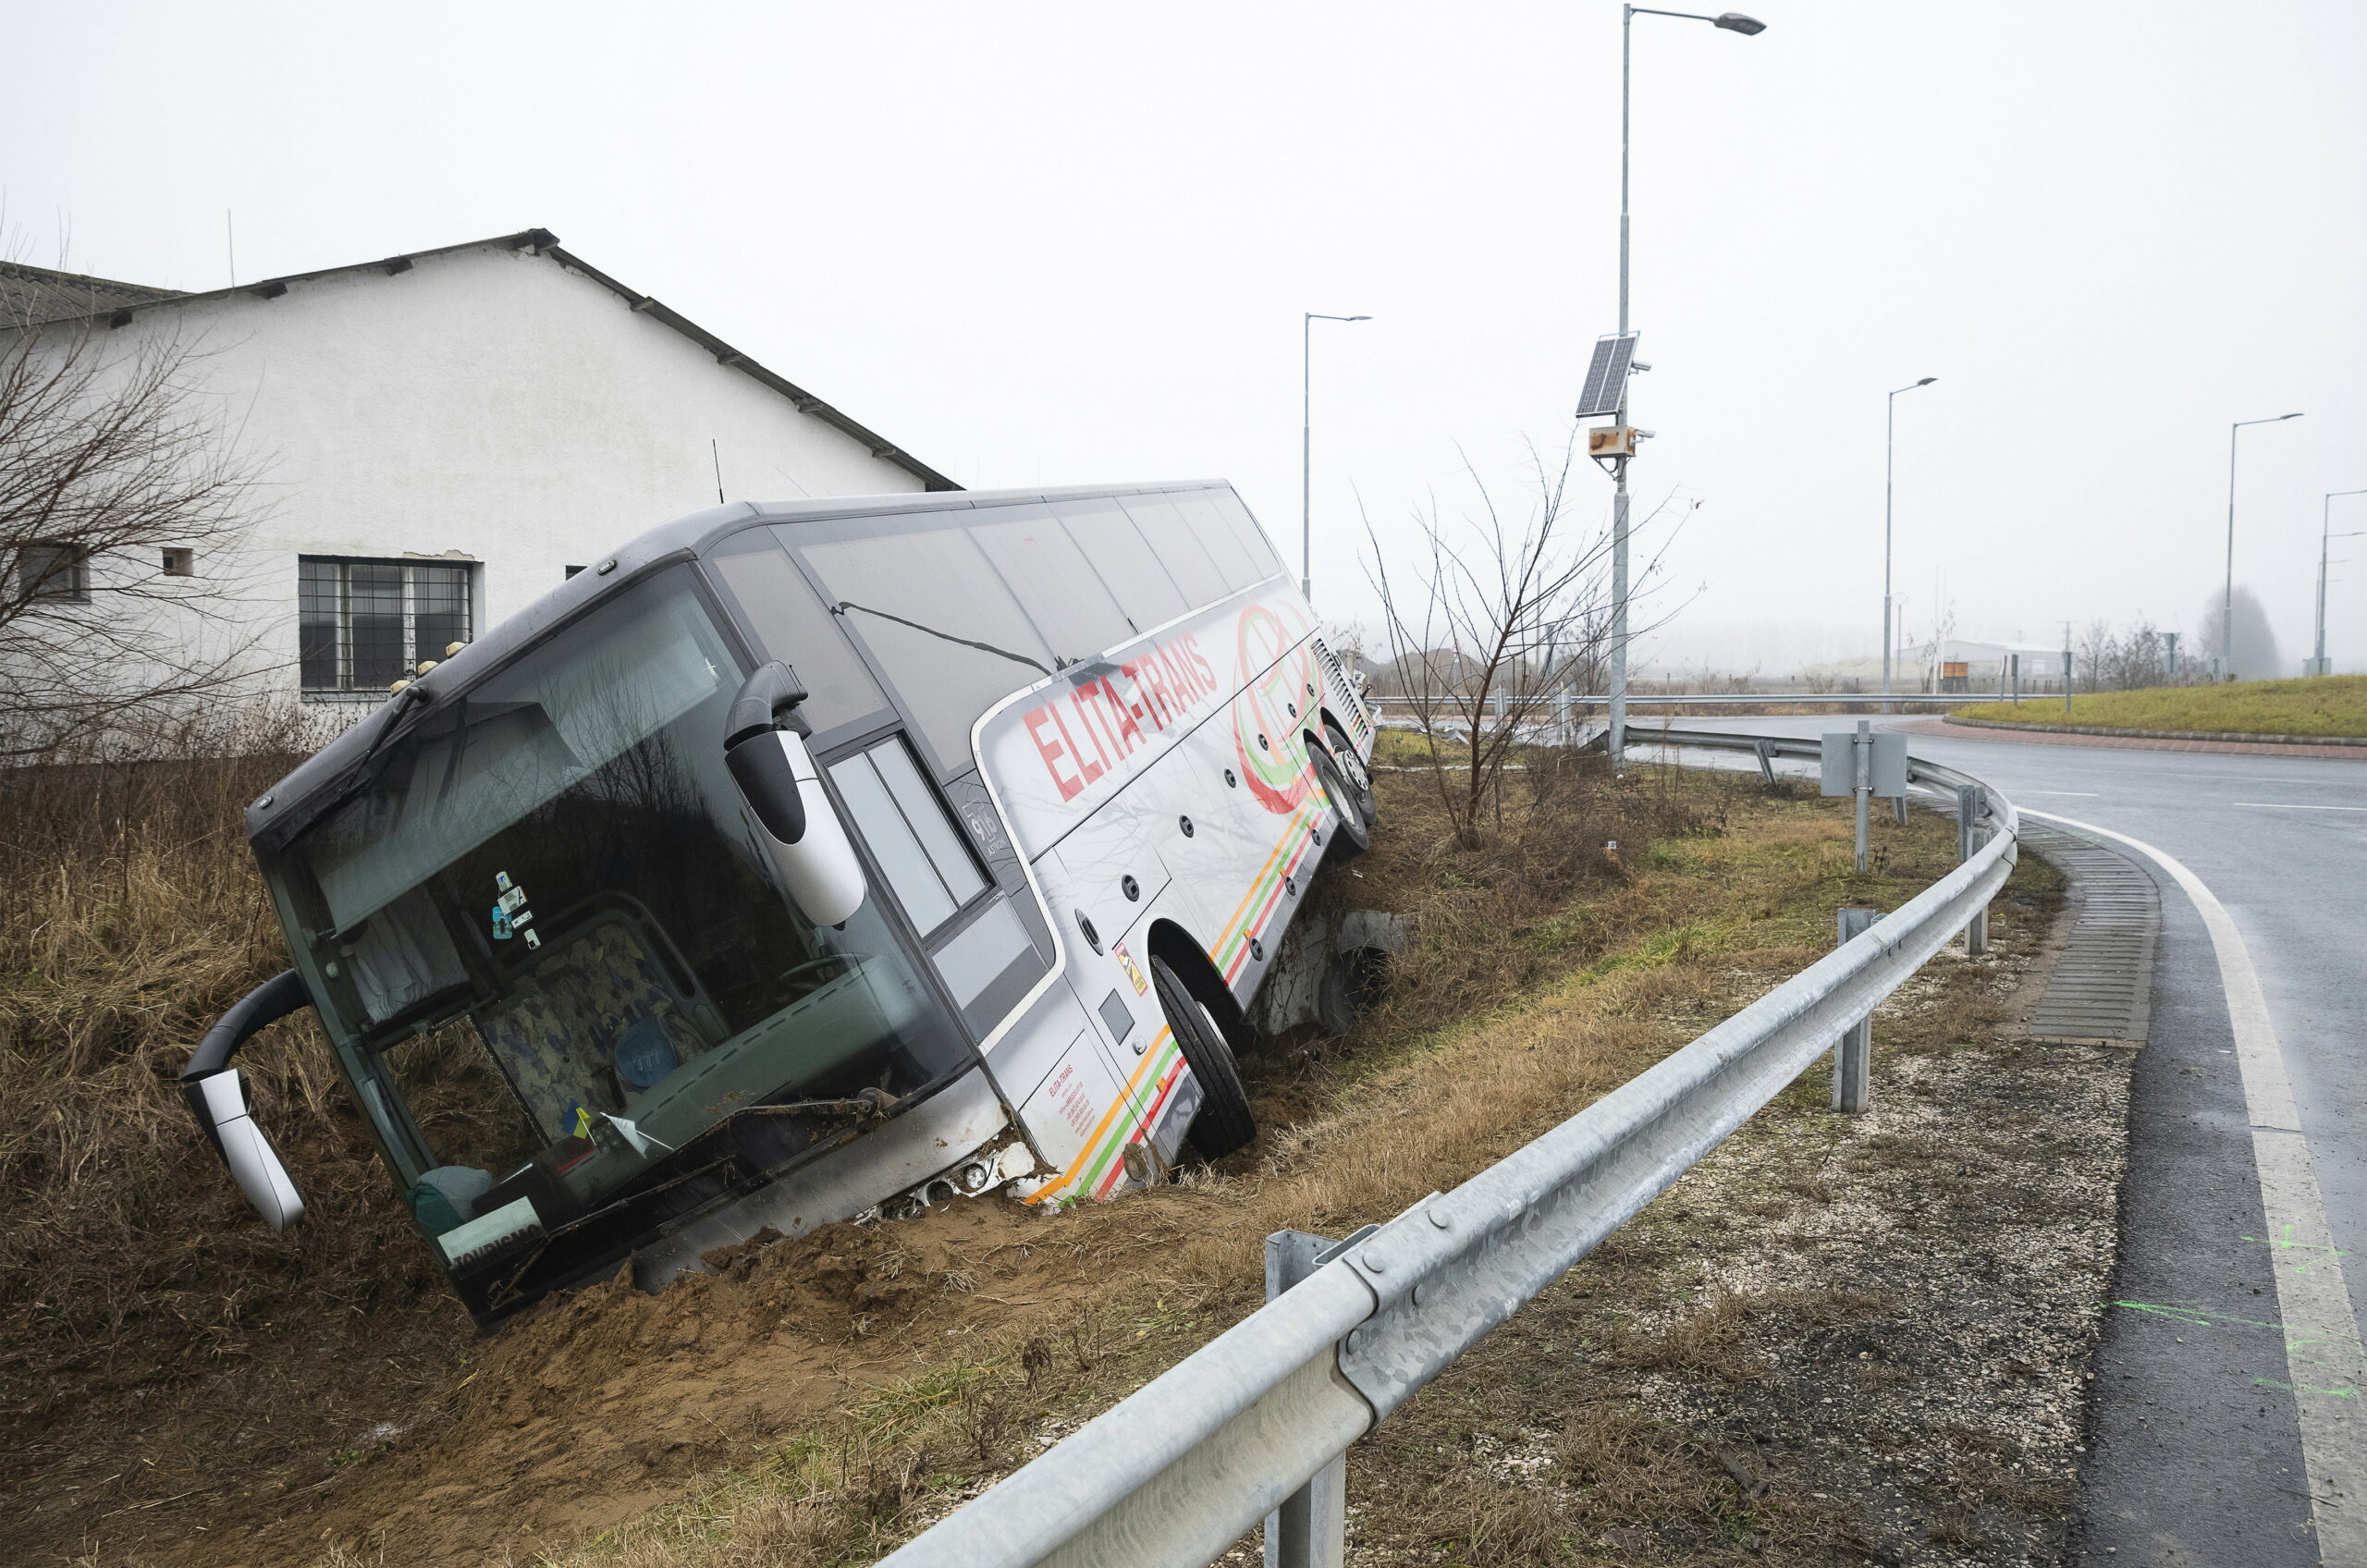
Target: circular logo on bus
{"x": 1265, "y": 735}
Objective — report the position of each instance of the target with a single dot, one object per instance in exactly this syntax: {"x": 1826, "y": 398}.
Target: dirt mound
{"x": 581, "y": 1413}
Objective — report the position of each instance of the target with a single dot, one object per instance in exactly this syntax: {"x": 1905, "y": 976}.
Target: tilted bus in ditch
{"x": 800, "y": 860}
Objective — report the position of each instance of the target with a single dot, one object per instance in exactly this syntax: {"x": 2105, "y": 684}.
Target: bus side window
{"x": 776, "y": 603}
{"x": 987, "y": 960}
{"x": 925, "y": 860}
{"x": 1053, "y": 581}
{"x": 1178, "y": 548}
{"x": 1217, "y": 537}
{"x": 1245, "y": 530}
{"x": 1110, "y": 540}
{"x": 967, "y": 647}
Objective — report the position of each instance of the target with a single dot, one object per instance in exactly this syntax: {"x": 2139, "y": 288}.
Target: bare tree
{"x": 2095, "y": 656}
{"x": 1943, "y": 628}
{"x": 124, "y": 503}
{"x": 2110, "y": 658}
{"x": 1500, "y": 616}
{"x": 2140, "y": 658}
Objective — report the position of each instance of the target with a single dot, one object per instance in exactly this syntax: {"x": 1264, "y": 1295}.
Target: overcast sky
{"x": 1061, "y": 243}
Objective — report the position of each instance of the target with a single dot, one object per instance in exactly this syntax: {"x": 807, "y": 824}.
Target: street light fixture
{"x": 1731, "y": 21}
{"x": 1890, "y": 443}
{"x": 1307, "y": 449}
{"x": 2326, "y": 512}
{"x": 2227, "y": 594}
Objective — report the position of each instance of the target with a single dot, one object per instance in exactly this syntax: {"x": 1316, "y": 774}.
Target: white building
{"x": 445, "y": 435}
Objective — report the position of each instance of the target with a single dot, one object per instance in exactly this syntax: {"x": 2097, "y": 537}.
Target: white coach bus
{"x": 801, "y": 859}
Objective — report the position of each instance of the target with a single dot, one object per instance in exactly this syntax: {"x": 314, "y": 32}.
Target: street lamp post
{"x": 1890, "y": 448}
{"x": 2227, "y": 594}
{"x": 1731, "y": 21}
{"x": 1307, "y": 449}
{"x": 2325, "y": 514}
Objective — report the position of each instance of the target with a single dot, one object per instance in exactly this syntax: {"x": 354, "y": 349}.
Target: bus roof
{"x": 325, "y": 777}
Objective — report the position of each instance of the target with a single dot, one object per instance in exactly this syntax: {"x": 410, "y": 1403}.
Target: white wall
{"x": 486, "y": 405}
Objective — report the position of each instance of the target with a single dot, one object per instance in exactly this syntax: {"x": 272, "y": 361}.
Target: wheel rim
{"x": 1344, "y": 804}
{"x": 1343, "y": 754}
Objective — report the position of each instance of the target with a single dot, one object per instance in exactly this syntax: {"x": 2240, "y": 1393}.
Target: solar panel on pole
{"x": 1606, "y": 386}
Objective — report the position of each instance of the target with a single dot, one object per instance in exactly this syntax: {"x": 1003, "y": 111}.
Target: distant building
{"x": 1963, "y": 664}
{"x": 447, "y": 434}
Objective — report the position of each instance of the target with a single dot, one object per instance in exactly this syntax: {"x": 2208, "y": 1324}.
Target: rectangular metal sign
{"x": 1838, "y": 767}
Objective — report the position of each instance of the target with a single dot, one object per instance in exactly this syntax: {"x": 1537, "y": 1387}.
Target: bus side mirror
{"x": 217, "y": 1096}
{"x": 220, "y": 1101}
{"x": 783, "y": 791}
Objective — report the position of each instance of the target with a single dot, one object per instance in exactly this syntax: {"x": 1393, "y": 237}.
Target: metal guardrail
{"x": 1945, "y": 699}
{"x": 1254, "y": 1425}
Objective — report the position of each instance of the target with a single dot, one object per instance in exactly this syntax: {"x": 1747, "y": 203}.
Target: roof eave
{"x": 725, "y": 354}
{"x": 543, "y": 242}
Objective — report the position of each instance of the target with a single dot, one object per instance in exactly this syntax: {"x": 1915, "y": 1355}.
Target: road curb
{"x": 2234, "y": 736}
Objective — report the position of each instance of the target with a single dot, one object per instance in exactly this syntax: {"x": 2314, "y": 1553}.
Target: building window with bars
{"x": 363, "y": 625}
{"x": 60, "y": 573}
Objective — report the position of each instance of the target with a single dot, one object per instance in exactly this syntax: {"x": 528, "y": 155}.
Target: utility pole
{"x": 1306, "y": 449}
{"x": 1731, "y": 21}
{"x": 2228, "y": 595}
{"x": 2318, "y": 665}
{"x": 1890, "y": 448}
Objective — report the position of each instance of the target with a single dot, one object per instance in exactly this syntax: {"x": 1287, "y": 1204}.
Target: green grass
{"x": 2330, "y": 704}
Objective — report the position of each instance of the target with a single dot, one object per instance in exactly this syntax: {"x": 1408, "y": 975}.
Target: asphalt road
{"x": 2194, "y": 1453}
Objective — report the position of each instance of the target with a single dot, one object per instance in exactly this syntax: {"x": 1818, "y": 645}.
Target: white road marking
{"x": 2089, "y": 794}
{"x": 2287, "y": 805}
{"x": 2321, "y": 1334}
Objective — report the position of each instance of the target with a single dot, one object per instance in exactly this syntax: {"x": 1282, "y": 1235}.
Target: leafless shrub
{"x": 2121, "y": 659}
{"x": 1504, "y": 611}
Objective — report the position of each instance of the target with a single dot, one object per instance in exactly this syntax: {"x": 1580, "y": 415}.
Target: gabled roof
{"x": 69, "y": 295}
{"x": 30, "y": 294}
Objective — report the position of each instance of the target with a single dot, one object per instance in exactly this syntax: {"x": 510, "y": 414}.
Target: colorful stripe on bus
{"x": 1099, "y": 1167}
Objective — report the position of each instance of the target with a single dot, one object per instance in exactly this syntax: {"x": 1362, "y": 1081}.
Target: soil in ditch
{"x": 815, "y": 1399}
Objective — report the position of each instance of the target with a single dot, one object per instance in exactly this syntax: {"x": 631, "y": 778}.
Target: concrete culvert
{"x": 1353, "y": 983}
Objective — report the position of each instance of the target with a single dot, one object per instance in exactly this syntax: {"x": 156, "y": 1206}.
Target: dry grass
{"x": 158, "y": 1341}
{"x": 1412, "y": 1109}
{"x": 138, "y": 1284}
{"x": 152, "y": 1319}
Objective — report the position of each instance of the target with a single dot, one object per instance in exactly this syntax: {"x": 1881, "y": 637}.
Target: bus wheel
{"x": 1352, "y": 767}
{"x": 1222, "y": 1123}
{"x": 1353, "y": 828}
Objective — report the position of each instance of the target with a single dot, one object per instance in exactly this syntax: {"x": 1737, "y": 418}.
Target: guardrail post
{"x": 1310, "y": 1530}
{"x": 1972, "y": 805}
{"x": 1853, "y": 1054}
{"x": 1898, "y": 809}
{"x": 1765, "y": 750}
{"x": 1861, "y": 770}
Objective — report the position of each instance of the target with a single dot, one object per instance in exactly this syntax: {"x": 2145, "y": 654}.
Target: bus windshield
{"x": 563, "y": 952}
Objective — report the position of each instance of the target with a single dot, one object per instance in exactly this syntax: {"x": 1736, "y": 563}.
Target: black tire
{"x": 1350, "y": 831}
{"x": 1222, "y": 1123}
{"x": 1351, "y": 768}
